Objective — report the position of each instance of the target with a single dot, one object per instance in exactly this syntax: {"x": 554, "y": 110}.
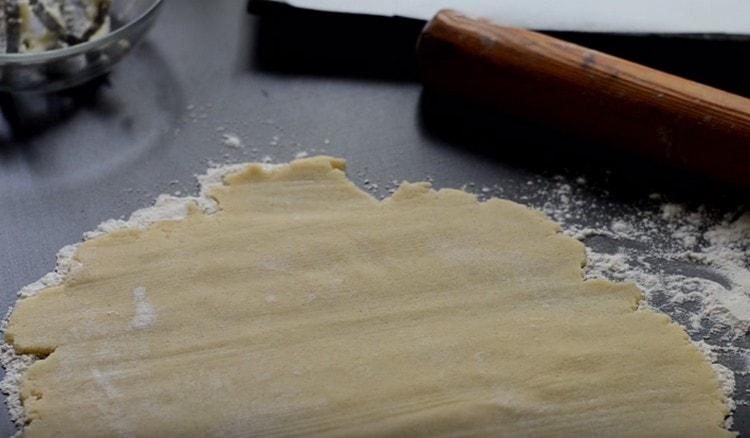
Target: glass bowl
{"x": 53, "y": 70}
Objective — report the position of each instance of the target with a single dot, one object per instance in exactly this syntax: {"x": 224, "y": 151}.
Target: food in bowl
{"x": 28, "y": 26}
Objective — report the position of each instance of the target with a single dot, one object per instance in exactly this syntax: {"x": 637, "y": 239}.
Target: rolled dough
{"x": 306, "y": 307}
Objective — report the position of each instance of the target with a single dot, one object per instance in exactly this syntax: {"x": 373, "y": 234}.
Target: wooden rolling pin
{"x": 596, "y": 96}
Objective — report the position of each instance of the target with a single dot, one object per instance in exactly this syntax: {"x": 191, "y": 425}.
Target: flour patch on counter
{"x": 691, "y": 263}
{"x": 231, "y": 140}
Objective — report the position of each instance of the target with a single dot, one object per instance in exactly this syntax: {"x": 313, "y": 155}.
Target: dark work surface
{"x": 345, "y": 85}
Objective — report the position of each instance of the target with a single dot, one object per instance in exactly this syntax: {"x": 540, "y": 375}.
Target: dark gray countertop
{"x": 307, "y": 82}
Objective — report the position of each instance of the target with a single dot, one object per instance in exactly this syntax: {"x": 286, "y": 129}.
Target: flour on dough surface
{"x": 145, "y": 314}
{"x": 426, "y": 313}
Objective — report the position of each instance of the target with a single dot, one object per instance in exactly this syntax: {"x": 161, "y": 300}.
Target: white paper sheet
{"x": 638, "y": 16}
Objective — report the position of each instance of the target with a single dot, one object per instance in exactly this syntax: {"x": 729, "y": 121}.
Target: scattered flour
{"x": 671, "y": 211}
{"x": 15, "y": 365}
{"x": 692, "y": 264}
{"x": 231, "y": 140}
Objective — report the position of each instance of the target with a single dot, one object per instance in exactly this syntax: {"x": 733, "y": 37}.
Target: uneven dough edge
{"x": 209, "y": 202}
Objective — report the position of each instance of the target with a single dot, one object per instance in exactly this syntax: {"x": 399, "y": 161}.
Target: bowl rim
{"x": 78, "y": 48}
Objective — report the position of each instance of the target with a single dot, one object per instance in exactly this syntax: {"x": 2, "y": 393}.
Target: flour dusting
{"x": 145, "y": 313}
{"x": 102, "y": 379}
{"x": 15, "y": 365}
{"x": 692, "y": 263}
{"x": 231, "y": 140}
